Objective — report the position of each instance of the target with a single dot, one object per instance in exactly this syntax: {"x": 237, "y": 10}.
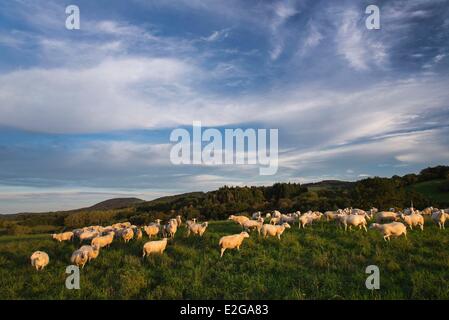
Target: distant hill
{"x": 116, "y": 203}
{"x": 328, "y": 184}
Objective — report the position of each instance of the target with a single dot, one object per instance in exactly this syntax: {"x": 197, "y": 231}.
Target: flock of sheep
{"x": 387, "y": 222}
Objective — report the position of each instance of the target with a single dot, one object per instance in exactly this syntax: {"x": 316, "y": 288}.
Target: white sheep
{"x": 239, "y": 219}
{"x": 88, "y": 235}
{"x": 152, "y": 230}
{"x": 79, "y": 258}
{"x": 275, "y": 220}
{"x": 92, "y": 251}
{"x": 64, "y": 236}
{"x": 127, "y": 234}
{"x": 256, "y": 215}
{"x": 232, "y": 242}
{"x": 103, "y": 241}
{"x": 355, "y": 220}
{"x": 39, "y": 260}
{"x": 440, "y": 217}
{"x": 253, "y": 224}
{"x": 197, "y": 228}
{"x": 138, "y": 234}
{"x": 392, "y": 229}
{"x": 414, "y": 219}
{"x": 154, "y": 247}
{"x": 170, "y": 228}
{"x": 288, "y": 218}
{"x": 276, "y": 214}
{"x": 427, "y": 211}
{"x": 179, "y": 220}
{"x": 308, "y": 218}
{"x": 386, "y": 216}
{"x": 271, "y": 230}
{"x": 331, "y": 215}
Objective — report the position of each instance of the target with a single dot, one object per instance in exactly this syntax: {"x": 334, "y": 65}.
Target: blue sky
{"x": 86, "y": 115}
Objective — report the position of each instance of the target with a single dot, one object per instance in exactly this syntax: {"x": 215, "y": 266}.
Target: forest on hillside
{"x": 383, "y": 193}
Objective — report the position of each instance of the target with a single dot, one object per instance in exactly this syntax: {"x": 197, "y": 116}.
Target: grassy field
{"x": 322, "y": 262}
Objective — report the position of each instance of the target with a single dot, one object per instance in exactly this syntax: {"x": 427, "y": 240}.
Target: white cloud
{"x": 217, "y": 35}
{"x": 354, "y": 45}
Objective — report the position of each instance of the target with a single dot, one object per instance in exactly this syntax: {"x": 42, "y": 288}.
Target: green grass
{"x": 322, "y": 262}
{"x": 431, "y": 190}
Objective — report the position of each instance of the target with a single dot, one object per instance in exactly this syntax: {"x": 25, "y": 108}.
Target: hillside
{"x": 433, "y": 190}
{"x": 116, "y": 203}
{"x": 428, "y": 188}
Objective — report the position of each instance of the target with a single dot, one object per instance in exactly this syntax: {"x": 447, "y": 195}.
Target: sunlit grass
{"x": 321, "y": 262}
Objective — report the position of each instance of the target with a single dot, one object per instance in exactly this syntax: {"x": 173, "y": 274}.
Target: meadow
{"x": 321, "y": 262}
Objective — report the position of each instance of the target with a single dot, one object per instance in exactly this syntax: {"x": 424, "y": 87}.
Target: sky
{"x": 86, "y": 115}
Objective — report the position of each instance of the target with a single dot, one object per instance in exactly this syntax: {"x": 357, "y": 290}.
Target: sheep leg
{"x": 385, "y": 238}
{"x": 222, "y": 251}
{"x": 364, "y": 227}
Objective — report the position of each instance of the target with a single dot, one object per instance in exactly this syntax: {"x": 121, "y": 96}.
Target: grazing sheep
{"x": 239, "y": 219}
{"x": 156, "y": 222}
{"x": 288, "y": 219}
{"x": 276, "y": 214}
{"x": 103, "y": 241}
{"x": 355, "y": 220}
{"x": 121, "y": 225}
{"x": 152, "y": 230}
{"x": 270, "y": 230}
{"x": 275, "y": 220}
{"x": 77, "y": 233}
{"x": 88, "y": 235}
{"x": 317, "y": 215}
{"x": 392, "y": 229}
{"x": 197, "y": 228}
{"x": 331, "y": 215}
{"x": 92, "y": 251}
{"x": 386, "y": 216}
{"x": 154, "y": 247}
{"x": 308, "y": 218}
{"x": 414, "y": 219}
{"x": 427, "y": 211}
{"x": 127, "y": 234}
{"x": 232, "y": 242}
{"x": 79, "y": 258}
{"x": 39, "y": 260}
{"x": 256, "y": 215}
{"x": 179, "y": 220}
{"x": 304, "y": 220}
{"x": 138, "y": 234}
{"x": 170, "y": 228}
{"x": 65, "y": 236}
{"x": 440, "y": 217}
{"x": 253, "y": 224}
